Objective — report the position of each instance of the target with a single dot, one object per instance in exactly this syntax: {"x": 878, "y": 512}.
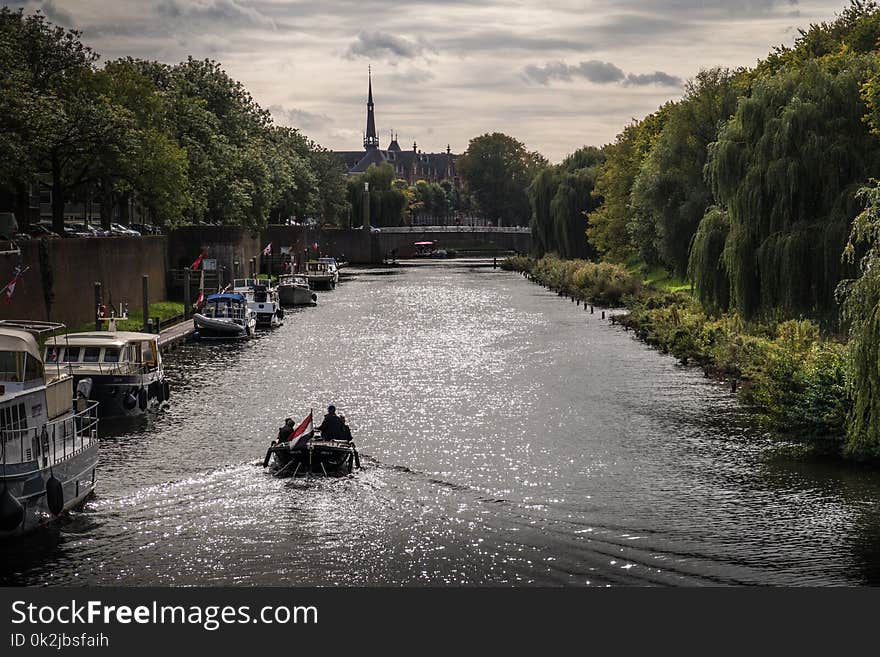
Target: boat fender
{"x": 166, "y": 390}
{"x": 142, "y": 398}
{"x": 357, "y": 460}
{"x": 11, "y": 511}
{"x": 54, "y": 495}
{"x": 281, "y": 313}
{"x": 268, "y": 456}
{"x": 129, "y": 402}
{"x": 160, "y": 392}
{"x": 314, "y": 297}
{"x": 84, "y": 388}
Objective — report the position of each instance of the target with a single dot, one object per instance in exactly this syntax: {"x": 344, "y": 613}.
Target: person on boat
{"x": 285, "y": 431}
{"x": 345, "y": 430}
{"x": 331, "y": 427}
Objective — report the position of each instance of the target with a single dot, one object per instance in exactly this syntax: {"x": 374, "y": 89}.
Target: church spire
{"x": 371, "y": 141}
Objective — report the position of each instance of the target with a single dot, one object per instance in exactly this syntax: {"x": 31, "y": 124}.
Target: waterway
{"x": 508, "y": 437}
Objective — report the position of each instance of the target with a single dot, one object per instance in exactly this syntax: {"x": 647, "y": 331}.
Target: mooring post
{"x": 494, "y": 263}
{"x": 98, "y": 301}
{"x": 145, "y": 288}
{"x": 187, "y": 293}
{"x": 591, "y": 310}
{"x": 603, "y": 314}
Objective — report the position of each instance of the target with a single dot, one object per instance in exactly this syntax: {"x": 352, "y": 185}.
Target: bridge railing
{"x": 455, "y": 229}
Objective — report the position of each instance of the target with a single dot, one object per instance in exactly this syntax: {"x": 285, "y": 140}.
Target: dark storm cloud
{"x": 385, "y": 45}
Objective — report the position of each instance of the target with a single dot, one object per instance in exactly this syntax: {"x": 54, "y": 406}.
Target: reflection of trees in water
{"x": 854, "y": 488}
{"x": 30, "y": 559}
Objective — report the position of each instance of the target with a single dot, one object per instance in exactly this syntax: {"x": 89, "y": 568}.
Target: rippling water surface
{"x": 508, "y": 437}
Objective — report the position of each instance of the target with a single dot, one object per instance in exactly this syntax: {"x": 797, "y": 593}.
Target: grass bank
{"x": 164, "y": 310}
{"x": 793, "y": 378}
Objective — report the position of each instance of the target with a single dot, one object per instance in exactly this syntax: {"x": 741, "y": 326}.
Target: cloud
{"x": 657, "y": 77}
{"x": 593, "y": 70}
{"x": 56, "y": 14}
{"x": 385, "y": 45}
{"x": 220, "y": 11}
{"x": 298, "y": 118}
{"x": 598, "y": 72}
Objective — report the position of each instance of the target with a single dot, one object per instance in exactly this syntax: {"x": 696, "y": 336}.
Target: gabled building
{"x": 409, "y": 165}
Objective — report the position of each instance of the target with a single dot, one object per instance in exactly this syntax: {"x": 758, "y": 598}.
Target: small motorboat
{"x": 313, "y": 457}
{"x": 293, "y": 290}
{"x": 226, "y": 316}
{"x": 304, "y": 452}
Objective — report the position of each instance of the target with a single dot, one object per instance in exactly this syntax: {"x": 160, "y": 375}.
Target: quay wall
{"x": 73, "y": 266}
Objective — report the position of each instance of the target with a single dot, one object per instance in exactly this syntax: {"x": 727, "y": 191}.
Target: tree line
{"x": 185, "y": 142}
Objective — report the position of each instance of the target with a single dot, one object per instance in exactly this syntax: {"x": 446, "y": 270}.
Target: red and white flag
{"x": 198, "y": 261}
{"x": 303, "y": 432}
{"x": 268, "y": 249}
{"x": 10, "y": 286}
{"x": 200, "y": 298}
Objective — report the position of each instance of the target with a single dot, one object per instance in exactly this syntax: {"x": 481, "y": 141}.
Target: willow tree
{"x": 560, "y": 197}
{"x": 669, "y": 194}
{"x": 706, "y": 269}
{"x": 786, "y": 168}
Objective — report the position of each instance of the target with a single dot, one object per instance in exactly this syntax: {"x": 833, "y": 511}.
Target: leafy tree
{"x": 786, "y": 168}
{"x": 387, "y": 200}
{"x": 669, "y": 192}
{"x": 498, "y": 169}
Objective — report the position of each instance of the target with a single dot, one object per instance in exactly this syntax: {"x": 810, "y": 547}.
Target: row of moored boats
{"x": 258, "y": 302}
{"x": 55, "y": 385}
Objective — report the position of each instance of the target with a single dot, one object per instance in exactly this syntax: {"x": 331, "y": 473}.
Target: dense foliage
{"x": 497, "y": 169}
{"x": 560, "y": 197}
{"x": 186, "y": 143}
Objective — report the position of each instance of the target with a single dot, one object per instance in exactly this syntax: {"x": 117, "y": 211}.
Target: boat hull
{"x": 330, "y": 457}
{"x": 120, "y": 396}
{"x": 27, "y": 483}
{"x": 322, "y": 282}
{"x": 222, "y": 329}
{"x": 292, "y": 295}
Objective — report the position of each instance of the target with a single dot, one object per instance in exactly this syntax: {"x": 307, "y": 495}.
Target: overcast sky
{"x": 556, "y": 74}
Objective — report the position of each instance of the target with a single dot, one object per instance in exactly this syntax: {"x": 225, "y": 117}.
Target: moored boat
{"x": 124, "y": 368}
{"x": 262, "y": 299}
{"x": 293, "y": 290}
{"x": 320, "y": 275}
{"x": 48, "y": 440}
{"x": 225, "y": 316}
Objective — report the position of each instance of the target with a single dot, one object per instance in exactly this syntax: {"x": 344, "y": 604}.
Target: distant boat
{"x": 323, "y": 274}
{"x": 293, "y": 290}
{"x": 48, "y": 440}
{"x": 124, "y": 367}
{"x": 225, "y": 316}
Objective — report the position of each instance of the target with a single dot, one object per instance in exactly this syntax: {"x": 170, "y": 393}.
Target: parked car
{"x": 125, "y": 231}
{"x": 41, "y": 230}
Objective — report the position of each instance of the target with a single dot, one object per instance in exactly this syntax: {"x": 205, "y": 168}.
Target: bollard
{"x": 145, "y": 285}
{"x": 98, "y": 301}
{"x": 494, "y": 263}
{"x": 187, "y": 307}
{"x": 591, "y": 310}
{"x": 157, "y": 324}
{"x": 603, "y": 314}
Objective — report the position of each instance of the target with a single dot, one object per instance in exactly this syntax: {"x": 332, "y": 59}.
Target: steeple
{"x": 371, "y": 141}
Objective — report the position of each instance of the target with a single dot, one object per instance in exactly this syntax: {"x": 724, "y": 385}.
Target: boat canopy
{"x": 17, "y": 340}
{"x": 423, "y": 243}
{"x": 227, "y": 296}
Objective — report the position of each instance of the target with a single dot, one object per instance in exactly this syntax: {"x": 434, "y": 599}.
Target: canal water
{"x": 508, "y": 437}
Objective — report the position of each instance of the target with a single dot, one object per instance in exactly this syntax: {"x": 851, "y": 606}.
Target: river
{"x": 508, "y": 437}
